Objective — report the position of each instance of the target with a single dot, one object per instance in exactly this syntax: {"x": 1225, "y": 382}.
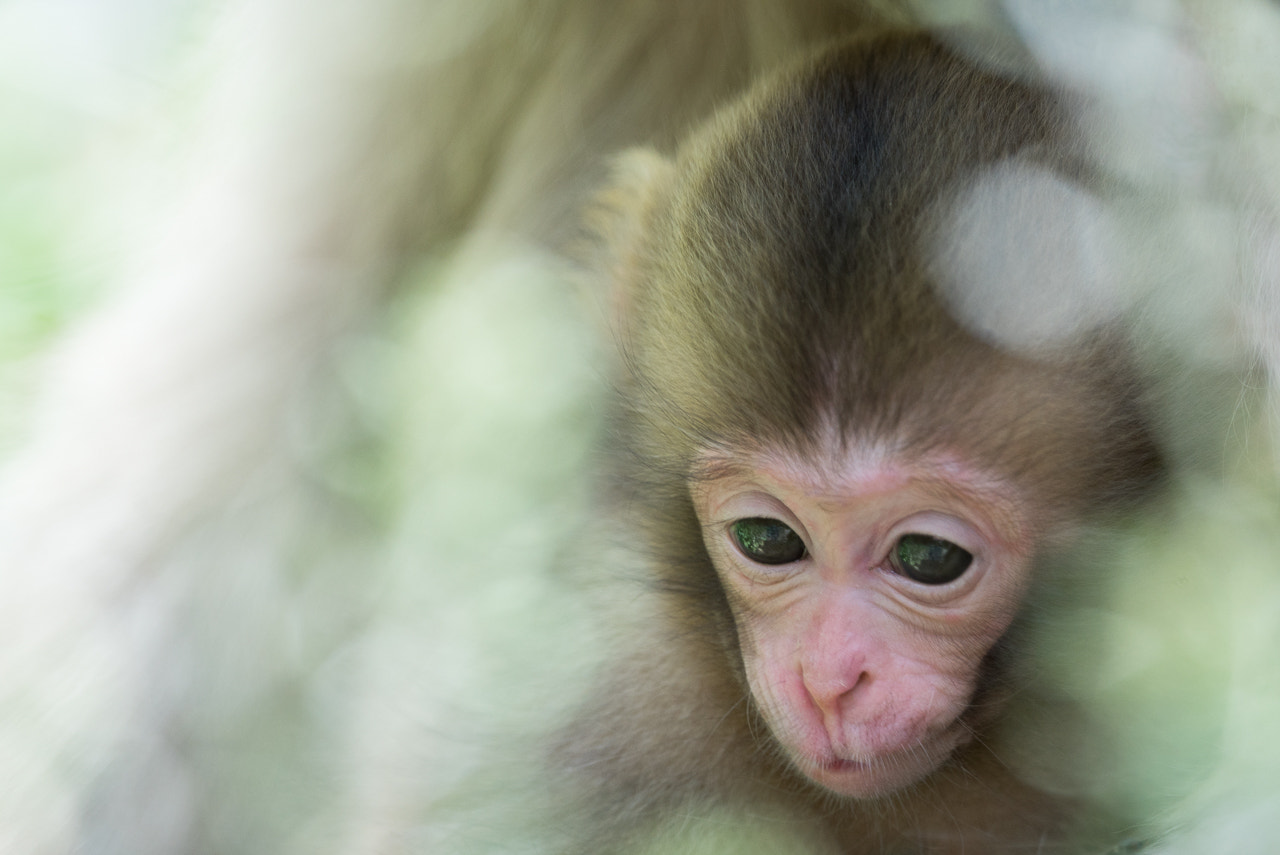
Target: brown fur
{"x": 771, "y": 284}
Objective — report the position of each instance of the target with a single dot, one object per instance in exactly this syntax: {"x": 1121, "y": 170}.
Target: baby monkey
{"x": 841, "y": 489}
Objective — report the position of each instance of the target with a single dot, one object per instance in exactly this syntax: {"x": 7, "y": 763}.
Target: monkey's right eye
{"x": 767, "y": 541}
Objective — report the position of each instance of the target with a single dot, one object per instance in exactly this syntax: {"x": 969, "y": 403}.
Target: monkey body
{"x": 843, "y": 491}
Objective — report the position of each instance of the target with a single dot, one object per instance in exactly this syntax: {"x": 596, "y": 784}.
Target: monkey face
{"x": 866, "y": 590}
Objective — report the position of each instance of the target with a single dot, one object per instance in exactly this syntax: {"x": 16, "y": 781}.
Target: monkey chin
{"x": 883, "y": 774}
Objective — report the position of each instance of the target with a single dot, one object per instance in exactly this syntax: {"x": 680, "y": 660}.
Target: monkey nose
{"x": 834, "y": 692}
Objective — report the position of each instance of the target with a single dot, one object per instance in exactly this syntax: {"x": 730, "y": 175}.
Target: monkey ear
{"x": 619, "y": 219}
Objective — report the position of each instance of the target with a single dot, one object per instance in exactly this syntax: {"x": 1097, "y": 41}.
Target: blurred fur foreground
{"x": 294, "y": 517}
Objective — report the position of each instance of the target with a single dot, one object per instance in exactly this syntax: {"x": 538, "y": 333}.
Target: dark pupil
{"x": 929, "y": 560}
{"x": 767, "y": 541}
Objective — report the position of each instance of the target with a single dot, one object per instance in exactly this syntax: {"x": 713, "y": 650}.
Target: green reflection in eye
{"x": 929, "y": 560}
{"x": 767, "y": 541}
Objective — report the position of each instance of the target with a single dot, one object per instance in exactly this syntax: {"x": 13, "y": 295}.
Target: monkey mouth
{"x": 864, "y": 779}
{"x": 838, "y": 765}
{"x": 881, "y": 774}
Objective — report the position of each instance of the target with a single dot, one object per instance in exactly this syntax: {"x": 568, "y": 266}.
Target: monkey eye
{"x": 929, "y": 560}
{"x": 767, "y": 541}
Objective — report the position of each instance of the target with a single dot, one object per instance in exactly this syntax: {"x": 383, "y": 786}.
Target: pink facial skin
{"x": 862, "y": 673}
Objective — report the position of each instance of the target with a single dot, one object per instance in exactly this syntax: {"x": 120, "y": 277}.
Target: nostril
{"x": 832, "y": 695}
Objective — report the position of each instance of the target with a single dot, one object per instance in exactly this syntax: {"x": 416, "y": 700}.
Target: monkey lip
{"x": 845, "y": 768}
{"x": 870, "y": 777}
{"x": 838, "y": 765}
{"x": 865, "y": 777}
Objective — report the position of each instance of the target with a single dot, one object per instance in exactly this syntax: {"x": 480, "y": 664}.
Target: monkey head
{"x": 847, "y": 486}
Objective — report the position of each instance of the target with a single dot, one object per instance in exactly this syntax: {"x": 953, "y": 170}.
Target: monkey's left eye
{"x": 767, "y": 541}
{"x": 929, "y": 560}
